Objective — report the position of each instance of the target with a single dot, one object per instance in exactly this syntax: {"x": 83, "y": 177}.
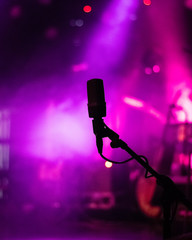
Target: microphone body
{"x": 96, "y": 98}
{"x": 97, "y": 109}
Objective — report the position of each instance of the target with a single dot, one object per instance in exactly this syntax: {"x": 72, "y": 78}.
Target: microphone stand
{"x": 171, "y": 194}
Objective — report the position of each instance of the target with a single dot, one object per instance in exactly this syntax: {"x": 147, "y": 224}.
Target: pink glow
{"x": 188, "y": 3}
{"x": 184, "y": 160}
{"x": 134, "y": 175}
{"x": 50, "y": 171}
{"x": 80, "y": 67}
{"x": 16, "y": 11}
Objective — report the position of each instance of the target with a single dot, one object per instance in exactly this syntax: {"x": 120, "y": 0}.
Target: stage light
{"x": 156, "y": 68}
{"x": 147, "y": 2}
{"x": 87, "y": 9}
{"x": 108, "y": 164}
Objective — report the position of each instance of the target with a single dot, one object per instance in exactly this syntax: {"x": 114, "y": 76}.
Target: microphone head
{"x": 96, "y": 98}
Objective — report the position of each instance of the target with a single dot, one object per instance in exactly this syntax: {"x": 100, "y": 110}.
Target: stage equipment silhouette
{"x": 171, "y": 194}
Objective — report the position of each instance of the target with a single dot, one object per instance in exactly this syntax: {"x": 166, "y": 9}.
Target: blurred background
{"x": 53, "y": 183}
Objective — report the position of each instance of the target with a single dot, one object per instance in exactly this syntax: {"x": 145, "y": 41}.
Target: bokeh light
{"x": 79, "y": 22}
{"x": 108, "y": 164}
{"x": 156, "y": 68}
{"x": 87, "y": 9}
{"x": 76, "y": 22}
{"x": 147, "y": 2}
{"x": 61, "y": 131}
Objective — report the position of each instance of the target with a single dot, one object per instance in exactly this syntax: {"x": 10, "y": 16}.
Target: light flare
{"x": 136, "y": 103}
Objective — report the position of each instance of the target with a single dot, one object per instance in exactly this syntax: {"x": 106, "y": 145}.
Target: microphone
{"x": 96, "y": 98}
{"x": 97, "y": 109}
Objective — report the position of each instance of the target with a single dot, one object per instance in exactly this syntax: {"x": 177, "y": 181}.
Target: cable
{"x": 115, "y": 162}
{"x": 125, "y": 161}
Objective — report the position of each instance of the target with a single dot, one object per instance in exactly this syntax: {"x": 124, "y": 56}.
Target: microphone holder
{"x": 171, "y": 194}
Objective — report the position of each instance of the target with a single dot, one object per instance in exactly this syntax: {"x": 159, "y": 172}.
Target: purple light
{"x": 62, "y": 133}
{"x": 108, "y": 44}
{"x": 133, "y": 17}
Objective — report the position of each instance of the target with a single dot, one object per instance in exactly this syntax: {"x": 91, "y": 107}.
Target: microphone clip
{"x": 101, "y": 130}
